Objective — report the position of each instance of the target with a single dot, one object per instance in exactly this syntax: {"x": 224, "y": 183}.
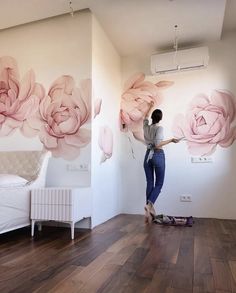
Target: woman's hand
{"x": 175, "y": 140}
{"x": 149, "y": 109}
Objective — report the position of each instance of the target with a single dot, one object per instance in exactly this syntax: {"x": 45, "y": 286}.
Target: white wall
{"x": 106, "y": 78}
{"x": 212, "y": 185}
{"x": 52, "y": 47}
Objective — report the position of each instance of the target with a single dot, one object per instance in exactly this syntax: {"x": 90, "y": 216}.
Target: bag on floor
{"x": 173, "y": 221}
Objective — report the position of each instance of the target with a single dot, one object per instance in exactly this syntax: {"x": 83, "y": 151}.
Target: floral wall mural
{"x": 135, "y": 101}
{"x": 56, "y": 117}
{"x": 105, "y": 141}
{"x": 19, "y": 98}
{"x": 209, "y": 121}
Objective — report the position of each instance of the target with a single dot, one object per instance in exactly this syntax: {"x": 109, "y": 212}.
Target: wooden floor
{"x": 122, "y": 255}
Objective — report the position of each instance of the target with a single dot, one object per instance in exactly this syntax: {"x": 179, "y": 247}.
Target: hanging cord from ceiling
{"x": 176, "y": 45}
{"x": 71, "y": 8}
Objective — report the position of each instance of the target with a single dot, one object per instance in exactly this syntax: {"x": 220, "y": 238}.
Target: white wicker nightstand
{"x": 58, "y": 204}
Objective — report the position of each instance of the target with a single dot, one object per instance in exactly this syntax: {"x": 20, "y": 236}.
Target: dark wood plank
{"x": 122, "y": 255}
{"x": 222, "y": 275}
{"x": 183, "y": 271}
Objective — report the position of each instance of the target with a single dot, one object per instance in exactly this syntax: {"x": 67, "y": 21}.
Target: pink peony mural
{"x": 19, "y": 99}
{"x": 135, "y": 102}
{"x": 61, "y": 115}
{"x": 105, "y": 141}
{"x": 210, "y": 121}
{"x": 57, "y": 118}
{"x": 97, "y": 107}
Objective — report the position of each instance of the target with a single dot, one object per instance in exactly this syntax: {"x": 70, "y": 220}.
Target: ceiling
{"x": 136, "y": 26}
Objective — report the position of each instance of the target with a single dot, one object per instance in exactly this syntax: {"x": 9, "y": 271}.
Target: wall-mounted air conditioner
{"x": 186, "y": 59}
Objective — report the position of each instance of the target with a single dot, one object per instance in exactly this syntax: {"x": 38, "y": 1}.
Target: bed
{"x": 20, "y": 171}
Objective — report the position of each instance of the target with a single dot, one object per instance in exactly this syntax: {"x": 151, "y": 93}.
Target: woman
{"x": 154, "y": 161}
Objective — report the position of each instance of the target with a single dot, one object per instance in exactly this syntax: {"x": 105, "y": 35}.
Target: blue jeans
{"x": 155, "y": 165}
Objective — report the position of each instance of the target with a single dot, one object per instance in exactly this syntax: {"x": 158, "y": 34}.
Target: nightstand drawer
{"x": 52, "y": 196}
{"x": 51, "y": 212}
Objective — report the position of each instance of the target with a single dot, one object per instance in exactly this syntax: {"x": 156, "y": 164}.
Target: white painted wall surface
{"x": 211, "y": 185}
{"x": 106, "y": 78}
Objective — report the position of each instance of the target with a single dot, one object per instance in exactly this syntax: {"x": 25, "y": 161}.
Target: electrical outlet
{"x": 77, "y": 167}
{"x": 201, "y": 159}
{"x": 186, "y": 198}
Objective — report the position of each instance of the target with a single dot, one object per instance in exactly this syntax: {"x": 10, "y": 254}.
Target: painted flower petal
{"x": 225, "y": 101}
{"x": 8, "y": 69}
{"x": 70, "y": 125}
{"x": 163, "y": 84}
{"x": 200, "y": 102}
{"x": 35, "y": 121}
{"x": 27, "y": 109}
{"x": 82, "y": 108}
{"x": 49, "y": 142}
{"x": 125, "y": 117}
{"x": 27, "y": 85}
{"x": 105, "y": 141}
{"x": 134, "y": 80}
{"x": 27, "y": 130}
{"x": 44, "y": 106}
{"x": 62, "y": 85}
{"x": 38, "y": 91}
{"x": 97, "y": 107}
{"x": 9, "y": 126}
{"x": 80, "y": 139}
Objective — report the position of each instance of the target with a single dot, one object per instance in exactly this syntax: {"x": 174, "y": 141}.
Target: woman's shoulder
{"x": 159, "y": 129}
{"x": 158, "y": 126}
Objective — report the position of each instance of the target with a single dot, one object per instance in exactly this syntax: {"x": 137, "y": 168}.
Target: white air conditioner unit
{"x": 187, "y": 59}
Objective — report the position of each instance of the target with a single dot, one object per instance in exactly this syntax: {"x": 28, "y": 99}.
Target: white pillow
{"x": 11, "y": 180}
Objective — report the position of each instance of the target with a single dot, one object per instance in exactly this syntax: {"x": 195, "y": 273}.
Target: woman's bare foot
{"x": 148, "y": 216}
{"x": 150, "y": 211}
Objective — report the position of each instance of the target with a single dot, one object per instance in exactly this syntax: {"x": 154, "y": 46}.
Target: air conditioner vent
{"x": 187, "y": 59}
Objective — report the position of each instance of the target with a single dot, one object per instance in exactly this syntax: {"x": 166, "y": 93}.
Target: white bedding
{"x": 15, "y": 201}
{"x": 12, "y": 180}
{"x": 14, "y": 208}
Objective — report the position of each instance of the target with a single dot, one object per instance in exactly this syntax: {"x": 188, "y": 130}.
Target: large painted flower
{"x": 62, "y": 113}
{"x": 135, "y": 101}
{"x": 19, "y": 100}
{"x": 208, "y": 122}
{"x": 105, "y": 141}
